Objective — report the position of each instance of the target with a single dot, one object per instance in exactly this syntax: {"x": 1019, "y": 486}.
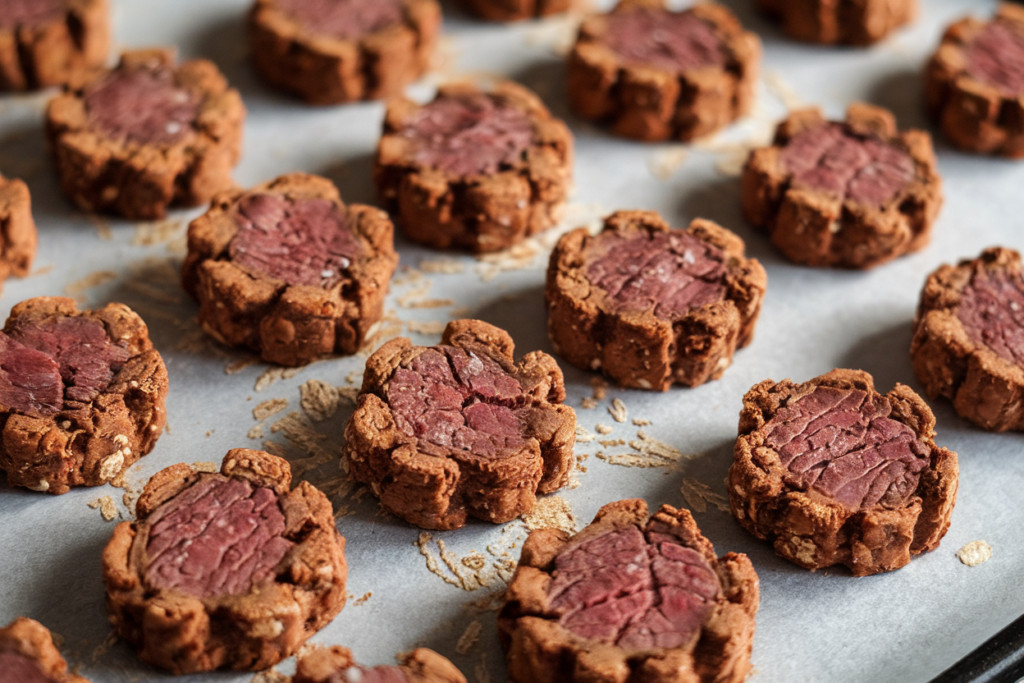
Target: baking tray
{"x": 906, "y": 625}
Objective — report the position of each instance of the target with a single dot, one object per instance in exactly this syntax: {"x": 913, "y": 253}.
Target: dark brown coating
{"x": 974, "y": 115}
{"x": 985, "y": 386}
{"x": 843, "y": 22}
{"x": 539, "y": 649}
{"x": 140, "y": 180}
{"x": 288, "y": 324}
{"x": 479, "y": 212}
{"x": 17, "y": 229}
{"x": 334, "y": 664}
{"x": 814, "y": 530}
{"x": 648, "y": 103}
{"x": 253, "y": 630}
{"x": 638, "y": 348}
{"x": 818, "y": 228}
{"x": 514, "y": 10}
{"x": 56, "y": 50}
{"x": 326, "y": 69}
{"x": 436, "y": 486}
{"x": 27, "y": 639}
{"x": 87, "y": 443}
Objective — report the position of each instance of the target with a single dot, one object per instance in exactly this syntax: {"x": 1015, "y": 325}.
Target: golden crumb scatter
{"x": 600, "y": 388}
{"x": 42, "y": 270}
{"x": 156, "y": 232}
{"x": 417, "y": 298}
{"x": 649, "y": 452}
{"x": 588, "y": 403}
{"x": 641, "y": 422}
{"x": 516, "y": 257}
{"x": 442, "y": 267}
{"x": 269, "y": 407}
{"x": 618, "y": 410}
{"x": 385, "y": 329}
{"x": 319, "y": 400}
{"x": 77, "y": 289}
{"x": 298, "y": 429}
{"x": 551, "y": 512}
{"x": 207, "y": 467}
{"x": 699, "y": 495}
{"x": 106, "y": 506}
{"x": 271, "y": 675}
{"x": 975, "y": 553}
{"x": 582, "y": 435}
{"x": 256, "y": 432}
{"x": 272, "y": 375}
{"x": 611, "y": 443}
{"x": 431, "y": 327}
{"x": 665, "y": 162}
{"x": 238, "y": 365}
{"x": 361, "y": 600}
{"x": 602, "y": 428}
{"x": 354, "y": 377}
{"x": 469, "y": 637}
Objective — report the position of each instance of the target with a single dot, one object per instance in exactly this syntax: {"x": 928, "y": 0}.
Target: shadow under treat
{"x": 901, "y": 93}
{"x": 354, "y": 179}
{"x": 885, "y": 354}
{"x": 719, "y": 201}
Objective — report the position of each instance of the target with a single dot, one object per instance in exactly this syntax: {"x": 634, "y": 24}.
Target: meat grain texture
{"x": 228, "y": 570}
{"x": 514, "y": 10}
{"x": 832, "y": 472}
{"x": 445, "y": 432}
{"x": 844, "y": 22}
{"x": 631, "y": 598}
{"x": 28, "y": 655}
{"x": 336, "y": 665}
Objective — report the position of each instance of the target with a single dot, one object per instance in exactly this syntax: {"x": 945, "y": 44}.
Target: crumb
{"x": 601, "y": 428}
{"x": 665, "y": 162}
{"x": 975, "y": 553}
{"x": 427, "y": 327}
{"x": 442, "y": 266}
{"x": 363, "y": 598}
{"x": 76, "y": 290}
{"x": 298, "y": 429}
{"x": 582, "y": 435}
{"x": 271, "y": 675}
{"x": 268, "y": 408}
{"x": 236, "y": 366}
{"x": 42, "y": 270}
{"x": 207, "y": 467}
{"x": 319, "y": 400}
{"x": 256, "y": 432}
{"x": 617, "y": 410}
{"x": 641, "y": 422}
{"x": 699, "y": 494}
{"x": 274, "y": 448}
{"x": 610, "y": 443}
{"x": 271, "y": 375}
{"x": 106, "y": 507}
{"x": 588, "y": 403}
{"x": 551, "y": 512}
{"x": 156, "y": 232}
{"x": 469, "y": 637}
{"x": 650, "y": 452}
{"x": 210, "y": 433}
{"x": 600, "y": 388}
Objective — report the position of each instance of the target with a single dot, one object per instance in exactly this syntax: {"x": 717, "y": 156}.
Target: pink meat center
{"x": 303, "y": 242}
{"x": 457, "y": 399}
{"x": 633, "y": 589}
{"x": 44, "y": 366}
{"x": 219, "y": 537}
{"x": 141, "y": 105}
{"x": 17, "y": 668}
{"x": 469, "y": 134}
{"x": 843, "y": 444}
{"x": 996, "y": 57}
{"x": 673, "y": 41}
{"x": 378, "y": 674}
{"x": 672, "y": 273}
{"x": 344, "y": 19}
{"x": 992, "y": 312}
{"x": 833, "y": 159}
{"x": 14, "y": 13}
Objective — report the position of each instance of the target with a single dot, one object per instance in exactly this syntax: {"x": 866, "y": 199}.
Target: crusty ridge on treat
{"x": 815, "y": 227}
{"x": 333, "y": 664}
{"x": 847, "y": 22}
{"x": 985, "y": 384}
{"x": 640, "y": 348}
{"x": 183, "y": 631}
{"x": 26, "y": 639}
{"x": 540, "y": 648}
{"x": 510, "y": 436}
{"x": 774, "y": 496}
{"x": 17, "y": 229}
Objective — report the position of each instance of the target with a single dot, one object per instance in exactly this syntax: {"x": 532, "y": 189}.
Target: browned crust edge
{"x": 638, "y": 349}
{"x": 288, "y": 324}
{"x": 846, "y": 22}
{"x": 814, "y": 228}
{"x": 422, "y": 665}
{"x": 814, "y": 533}
{"x": 136, "y": 181}
{"x": 972, "y": 115}
{"x": 31, "y": 639}
{"x": 646, "y": 103}
{"x": 539, "y": 650}
{"x": 514, "y": 10}
{"x": 185, "y": 634}
{"x": 985, "y": 388}
{"x": 18, "y": 236}
{"x": 437, "y": 489}
{"x": 325, "y": 70}
{"x": 479, "y": 213}
{"x": 93, "y": 445}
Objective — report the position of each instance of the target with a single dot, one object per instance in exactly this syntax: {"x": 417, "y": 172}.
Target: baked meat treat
{"x": 473, "y": 169}
{"x": 832, "y": 472}
{"x": 28, "y": 655}
{"x": 968, "y": 341}
{"x": 849, "y": 194}
{"x": 844, "y": 22}
{"x": 147, "y": 134}
{"x": 336, "y": 665}
{"x": 648, "y": 305}
{"x": 335, "y": 51}
{"x": 514, "y": 10}
{"x": 974, "y": 83}
{"x": 81, "y": 394}
{"x": 632, "y": 597}
{"x": 459, "y": 429}
{"x": 651, "y": 73}
{"x": 288, "y": 270}
{"x": 229, "y": 570}
{"x": 17, "y": 229}
{"x": 51, "y": 42}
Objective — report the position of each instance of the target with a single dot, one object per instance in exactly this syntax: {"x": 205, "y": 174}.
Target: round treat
{"x": 846, "y": 22}
{"x": 289, "y": 271}
{"x": 851, "y": 195}
{"x": 334, "y": 51}
{"x": 832, "y": 472}
{"x": 81, "y": 394}
{"x": 147, "y": 134}
{"x": 225, "y": 571}
{"x": 514, "y": 10}
{"x": 647, "y": 305}
{"x": 473, "y": 169}
{"x": 630, "y": 597}
{"x": 458, "y": 429}
{"x": 17, "y": 229}
{"x": 969, "y": 339}
{"x": 655, "y": 74}
{"x": 336, "y": 665}
{"x": 974, "y": 84}
{"x": 28, "y": 655}
{"x": 51, "y": 42}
